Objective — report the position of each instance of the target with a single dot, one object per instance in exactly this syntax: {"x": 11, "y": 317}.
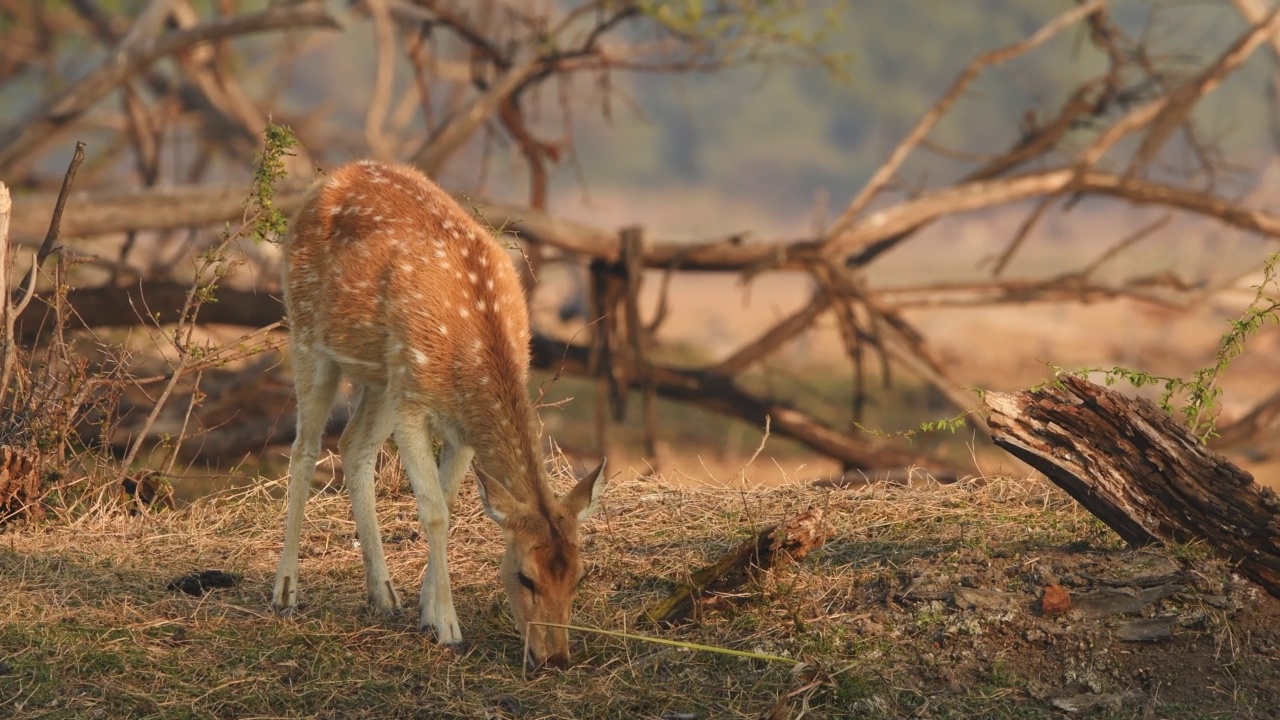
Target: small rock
{"x": 1146, "y": 570}
{"x": 5, "y": 668}
{"x": 1146, "y": 630}
{"x": 1222, "y": 602}
{"x": 1055, "y": 601}
{"x": 970, "y": 598}
{"x": 1120, "y": 601}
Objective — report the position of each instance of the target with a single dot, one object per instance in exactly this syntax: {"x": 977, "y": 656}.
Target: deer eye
{"x": 527, "y": 582}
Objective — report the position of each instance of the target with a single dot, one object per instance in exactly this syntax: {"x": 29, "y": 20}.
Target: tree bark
{"x": 1141, "y": 472}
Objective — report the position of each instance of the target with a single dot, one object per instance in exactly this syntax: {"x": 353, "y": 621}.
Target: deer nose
{"x": 556, "y": 661}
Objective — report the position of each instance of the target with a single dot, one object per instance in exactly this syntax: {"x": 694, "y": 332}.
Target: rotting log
{"x": 1142, "y": 473}
{"x": 788, "y": 541}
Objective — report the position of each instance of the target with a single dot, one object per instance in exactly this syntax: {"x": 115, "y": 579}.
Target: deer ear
{"x": 582, "y": 499}
{"x": 496, "y": 500}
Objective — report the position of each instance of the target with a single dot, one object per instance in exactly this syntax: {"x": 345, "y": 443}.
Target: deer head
{"x": 541, "y": 566}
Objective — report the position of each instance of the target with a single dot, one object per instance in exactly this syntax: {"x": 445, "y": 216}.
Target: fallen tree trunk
{"x": 788, "y": 541}
{"x": 1139, "y": 471}
{"x": 157, "y": 301}
{"x": 94, "y": 214}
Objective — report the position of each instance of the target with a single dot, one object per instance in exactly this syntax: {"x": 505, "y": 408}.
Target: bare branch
{"x": 775, "y": 337}
{"x": 458, "y": 129}
{"x": 376, "y": 116}
{"x": 30, "y": 134}
{"x": 1167, "y": 111}
{"x": 925, "y": 125}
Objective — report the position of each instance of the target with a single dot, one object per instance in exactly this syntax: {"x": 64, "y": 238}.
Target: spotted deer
{"x": 392, "y": 284}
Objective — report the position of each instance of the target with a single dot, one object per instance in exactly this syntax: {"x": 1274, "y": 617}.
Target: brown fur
{"x": 389, "y": 280}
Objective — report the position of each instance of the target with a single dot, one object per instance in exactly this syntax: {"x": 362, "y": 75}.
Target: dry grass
{"x": 88, "y": 629}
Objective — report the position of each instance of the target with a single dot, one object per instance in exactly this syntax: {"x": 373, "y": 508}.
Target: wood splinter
{"x": 791, "y": 540}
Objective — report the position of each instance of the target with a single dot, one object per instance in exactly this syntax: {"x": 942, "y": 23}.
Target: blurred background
{"x": 850, "y": 215}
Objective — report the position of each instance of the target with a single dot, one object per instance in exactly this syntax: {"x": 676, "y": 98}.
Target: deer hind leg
{"x": 368, "y": 429}
{"x": 316, "y": 381}
{"x": 413, "y": 438}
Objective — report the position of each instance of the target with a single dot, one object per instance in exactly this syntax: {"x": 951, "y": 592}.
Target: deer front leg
{"x": 436, "y": 600}
{"x": 316, "y": 380}
{"x": 368, "y": 429}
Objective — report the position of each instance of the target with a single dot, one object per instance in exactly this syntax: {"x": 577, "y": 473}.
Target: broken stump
{"x": 1141, "y": 472}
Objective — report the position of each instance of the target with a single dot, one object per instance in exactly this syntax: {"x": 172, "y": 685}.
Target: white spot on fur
{"x": 466, "y": 252}
{"x": 480, "y": 306}
{"x": 473, "y": 277}
{"x": 439, "y": 253}
{"x": 489, "y": 284}
{"x": 419, "y": 357}
{"x": 443, "y": 330}
{"x": 464, "y": 312}
{"x": 447, "y": 224}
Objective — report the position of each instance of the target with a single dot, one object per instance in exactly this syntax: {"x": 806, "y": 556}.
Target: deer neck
{"x": 503, "y": 430}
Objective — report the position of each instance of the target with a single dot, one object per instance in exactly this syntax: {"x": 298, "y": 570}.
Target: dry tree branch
{"x": 1024, "y": 230}
{"x": 1164, "y": 114}
{"x": 31, "y": 133}
{"x": 7, "y": 315}
{"x": 111, "y": 212}
{"x": 1125, "y": 243}
{"x": 774, "y": 338}
{"x": 1179, "y": 102}
{"x": 884, "y": 174}
{"x": 459, "y": 128}
{"x": 384, "y": 76}
{"x": 27, "y": 288}
{"x": 977, "y": 195}
{"x": 1066, "y": 288}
